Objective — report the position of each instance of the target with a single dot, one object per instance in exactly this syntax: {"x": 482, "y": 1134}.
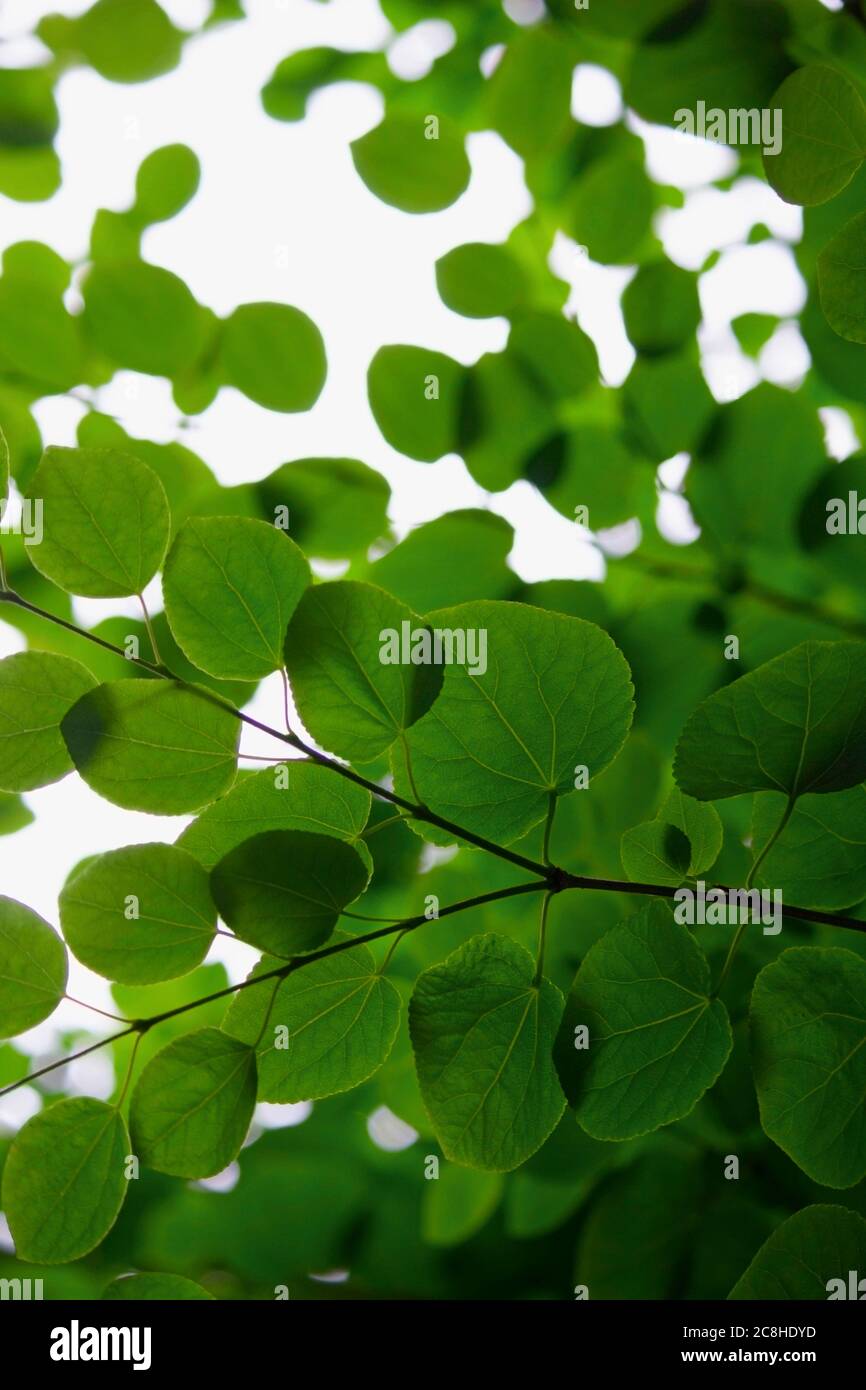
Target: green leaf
{"x": 165, "y": 1287}
{"x": 504, "y": 418}
{"x": 64, "y": 1181}
{"x": 729, "y": 496}
{"x": 654, "y": 1205}
{"x": 812, "y": 1248}
{"x": 476, "y": 542}
{"x": 143, "y": 317}
{"x": 123, "y": 40}
{"x": 33, "y": 969}
{"x": 700, "y": 823}
{"x": 193, "y": 1103}
{"x": 808, "y": 1029}
{"x": 14, "y": 814}
{"x": 823, "y": 124}
{"x": 160, "y": 748}
{"x": 39, "y": 339}
{"x": 106, "y": 521}
{"x": 556, "y": 353}
{"x": 612, "y": 207}
{"x": 293, "y": 81}
{"x": 415, "y": 396}
{"x": 481, "y": 280}
{"x": 496, "y": 745}
{"x": 657, "y": 1041}
{"x": 274, "y": 354}
{"x": 667, "y": 404}
{"x": 323, "y": 1029}
{"x": 231, "y": 585}
{"x": 458, "y": 1203}
{"x": 820, "y": 859}
{"x": 354, "y": 703}
{"x": 482, "y": 1032}
{"x": 412, "y": 163}
{"x": 37, "y": 689}
{"x": 528, "y": 96}
{"x": 842, "y": 282}
{"x": 4, "y": 467}
{"x": 283, "y": 891}
{"x": 140, "y": 914}
{"x": 313, "y": 799}
{"x": 165, "y": 182}
{"x": 796, "y": 724}
{"x": 29, "y": 168}
{"x": 661, "y": 307}
{"x": 656, "y": 852}
{"x": 337, "y": 507}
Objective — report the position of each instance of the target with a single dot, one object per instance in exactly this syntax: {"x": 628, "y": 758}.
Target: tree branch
{"x": 420, "y": 813}
{"x": 143, "y": 1025}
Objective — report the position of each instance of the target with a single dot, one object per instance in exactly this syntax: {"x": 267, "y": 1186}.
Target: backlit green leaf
{"x": 284, "y": 890}
{"x": 231, "y": 585}
{"x": 554, "y": 693}
{"x": 482, "y": 1033}
{"x": 140, "y": 914}
{"x": 193, "y": 1103}
{"x": 65, "y": 1180}
{"x": 37, "y": 689}
{"x": 796, "y": 724}
{"x": 352, "y": 694}
{"x": 106, "y": 521}
{"x": 153, "y": 747}
{"x": 32, "y": 969}
{"x": 656, "y": 1040}
{"x": 823, "y": 123}
{"x": 323, "y": 1029}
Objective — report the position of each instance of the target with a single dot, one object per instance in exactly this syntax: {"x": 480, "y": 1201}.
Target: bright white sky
{"x": 281, "y": 215}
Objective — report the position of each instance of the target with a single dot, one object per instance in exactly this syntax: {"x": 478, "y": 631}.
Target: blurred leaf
{"x": 274, "y": 354}
{"x": 414, "y": 163}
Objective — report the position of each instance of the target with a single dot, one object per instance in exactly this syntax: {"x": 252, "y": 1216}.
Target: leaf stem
{"x": 65, "y": 1061}
{"x": 150, "y": 632}
{"x": 750, "y": 878}
{"x": 542, "y": 935}
{"x": 548, "y": 827}
{"x": 129, "y": 1068}
{"x": 143, "y": 1025}
{"x": 116, "y": 1018}
{"x": 417, "y": 812}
